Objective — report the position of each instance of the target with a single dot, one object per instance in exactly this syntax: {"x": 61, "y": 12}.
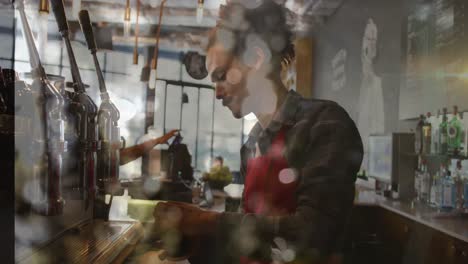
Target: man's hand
{"x": 135, "y": 152}
{"x": 189, "y": 220}
{"x": 181, "y": 227}
{"x": 166, "y": 137}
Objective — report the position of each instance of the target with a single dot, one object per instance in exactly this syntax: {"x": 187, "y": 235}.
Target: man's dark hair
{"x": 219, "y": 158}
{"x": 247, "y": 23}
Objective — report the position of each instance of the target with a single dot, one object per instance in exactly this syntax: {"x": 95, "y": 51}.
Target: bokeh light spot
{"x": 287, "y": 176}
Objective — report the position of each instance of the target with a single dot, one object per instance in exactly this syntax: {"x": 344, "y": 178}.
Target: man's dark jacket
{"x": 324, "y": 147}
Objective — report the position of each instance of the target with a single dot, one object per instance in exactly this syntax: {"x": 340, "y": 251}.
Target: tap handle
{"x": 87, "y": 29}
{"x": 59, "y": 12}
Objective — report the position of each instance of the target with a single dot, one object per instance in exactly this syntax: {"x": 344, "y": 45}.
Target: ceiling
{"x": 179, "y": 24}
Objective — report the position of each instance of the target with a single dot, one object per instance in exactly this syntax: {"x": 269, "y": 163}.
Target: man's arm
{"x": 134, "y": 152}
{"x": 328, "y": 151}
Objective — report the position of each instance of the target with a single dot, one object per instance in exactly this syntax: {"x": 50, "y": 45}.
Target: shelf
{"x": 449, "y": 156}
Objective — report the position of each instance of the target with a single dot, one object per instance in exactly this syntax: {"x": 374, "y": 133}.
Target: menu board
{"x": 436, "y": 58}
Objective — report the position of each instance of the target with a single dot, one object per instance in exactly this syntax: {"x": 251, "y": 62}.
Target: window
{"x": 190, "y": 120}
{"x": 207, "y": 127}
{"x": 227, "y": 136}
{"x": 205, "y": 131}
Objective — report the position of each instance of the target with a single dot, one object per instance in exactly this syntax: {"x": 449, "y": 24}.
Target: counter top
{"x": 451, "y": 224}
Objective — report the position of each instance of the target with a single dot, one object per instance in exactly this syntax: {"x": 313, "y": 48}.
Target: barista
{"x": 299, "y": 162}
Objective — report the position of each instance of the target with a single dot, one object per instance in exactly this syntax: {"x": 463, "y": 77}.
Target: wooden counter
{"x": 453, "y": 225}
{"x": 388, "y": 231}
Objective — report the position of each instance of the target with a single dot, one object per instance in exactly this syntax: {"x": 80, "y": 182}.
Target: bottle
{"x": 454, "y": 130}
{"x": 435, "y": 191}
{"x": 418, "y": 137}
{"x": 458, "y": 181}
{"x": 440, "y": 186}
{"x": 417, "y": 181}
{"x": 465, "y": 185}
{"x": 425, "y": 182}
{"x": 464, "y": 137}
{"x": 448, "y": 192}
{"x": 443, "y": 133}
{"x": 427, "y": 135}
{"x": 435, "y": 133}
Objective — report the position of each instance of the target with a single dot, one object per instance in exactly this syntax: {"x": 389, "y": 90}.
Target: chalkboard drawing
{"x": 339, "y": 70}
{"x": 371, "y": 117}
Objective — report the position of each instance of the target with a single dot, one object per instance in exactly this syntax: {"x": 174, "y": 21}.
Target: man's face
{"x": 230, "y": 76}
{"x": 217, "y": 163}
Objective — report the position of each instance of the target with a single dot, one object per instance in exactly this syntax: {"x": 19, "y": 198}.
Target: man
{"x": 219, "y": 175}
{"x": 299, "y": 162}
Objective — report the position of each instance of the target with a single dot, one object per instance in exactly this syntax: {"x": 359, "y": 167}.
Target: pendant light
{"x": 43, "y": 27}
{"x": 200, "y": 11}
{"x": 127, "y": 15}
{"x": 137, "y": 29}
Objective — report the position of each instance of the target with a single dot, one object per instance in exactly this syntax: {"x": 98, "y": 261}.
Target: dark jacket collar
{"x": 285, "y": 116}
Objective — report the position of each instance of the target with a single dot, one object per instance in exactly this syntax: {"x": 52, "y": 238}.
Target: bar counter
{"x": 384, "y": 230}
{"x": 454, "y": 225}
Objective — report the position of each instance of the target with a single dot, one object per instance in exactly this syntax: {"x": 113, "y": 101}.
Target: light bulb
{"x": 127, "y": 24}
{"x": 152, "y": 79}
{"x": 42, "y": 33}
{"x": 200, "y": 11}
{"x": 44, "y": 6}
{"x": 127, "y": 11}
{"x": 127, "y": 27}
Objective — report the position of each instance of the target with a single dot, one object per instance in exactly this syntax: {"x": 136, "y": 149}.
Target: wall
{"x": 345, "y": 31}
{"x": 358, "y": 63}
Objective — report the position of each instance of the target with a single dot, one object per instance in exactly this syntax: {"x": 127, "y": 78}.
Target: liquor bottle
{"x": 436, "y": 120}
{"x": 418, "y": 137}
{"x": 443, "y": 133}
{"x": 427, "y": 135}
{"x": 464, "y": 138}
{"x": 454, "y": 130}
{"x": 417, "y": 181}
{"x": 458, "y": 182}
{"x": 465, "y": 185}
{"x": 425, "y": 183}
{"x": 449, "y": 192}
{"x": 435, "y": 191}
{"x": 440, "y": 185}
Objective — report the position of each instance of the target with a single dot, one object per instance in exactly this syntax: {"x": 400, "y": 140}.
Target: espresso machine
{"x": 44, "y": 143}
{"x": 109, "y": 131}
{"x": 83, "y": 111}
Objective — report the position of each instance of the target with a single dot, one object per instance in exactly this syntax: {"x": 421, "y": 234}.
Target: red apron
{"x": 270, "y": 184}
